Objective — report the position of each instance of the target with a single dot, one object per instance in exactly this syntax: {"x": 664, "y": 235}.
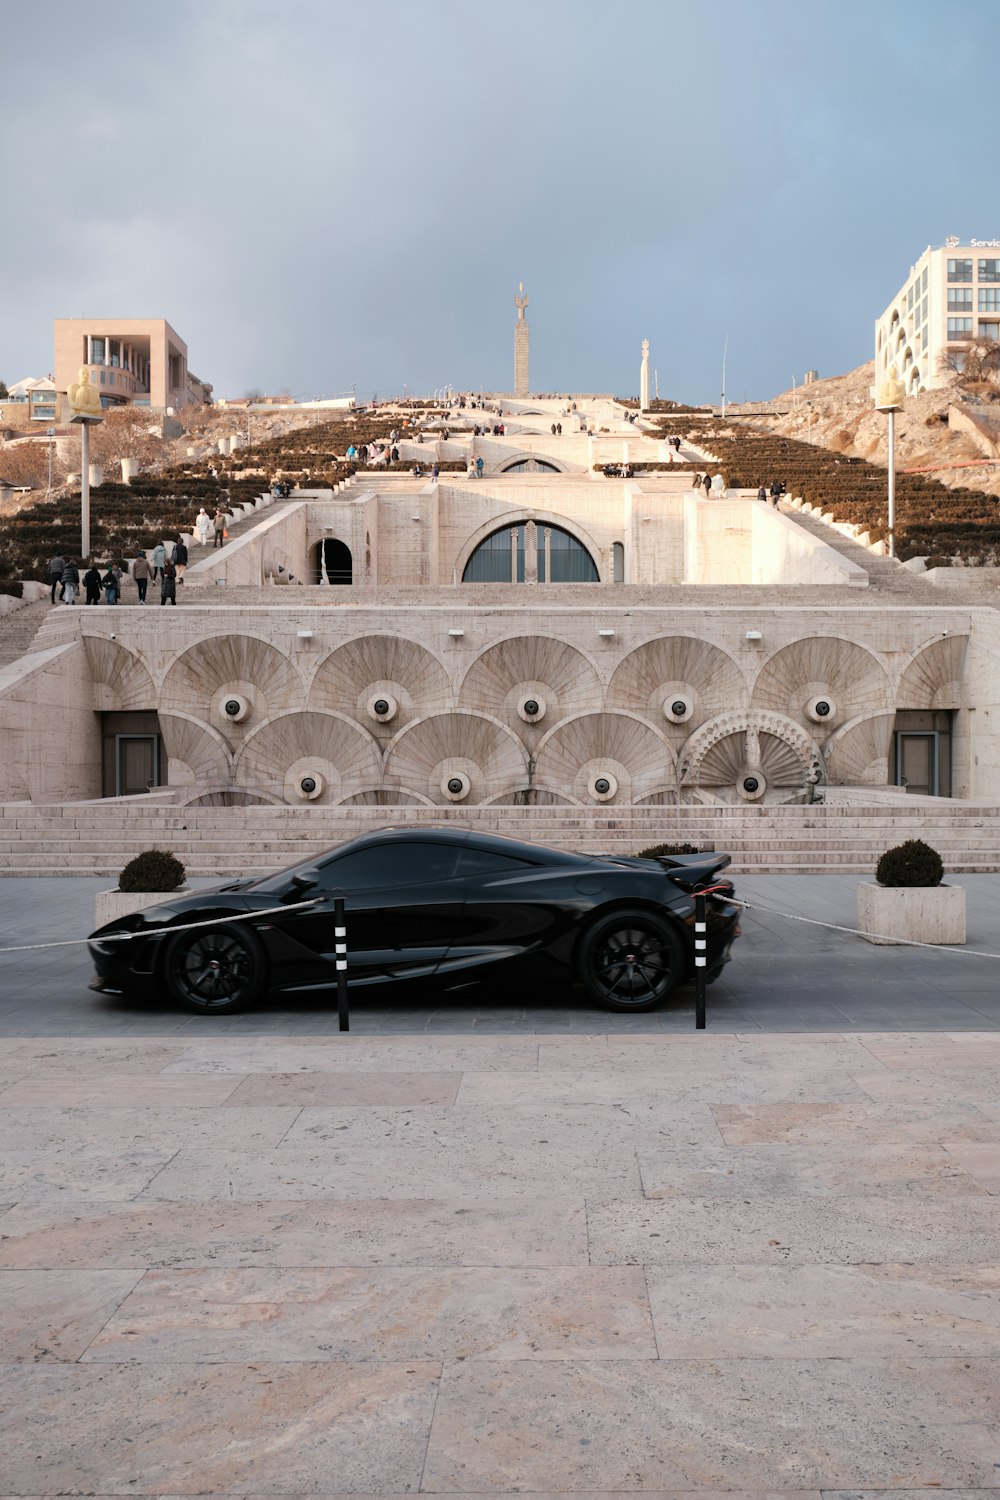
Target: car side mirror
{"x": 301, "y": 883}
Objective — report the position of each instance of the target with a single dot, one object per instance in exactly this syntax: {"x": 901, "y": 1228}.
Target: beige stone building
{"x": 950, "y": 298}
{"x": 131, "y": 361}
{"x": 543, "y": 636}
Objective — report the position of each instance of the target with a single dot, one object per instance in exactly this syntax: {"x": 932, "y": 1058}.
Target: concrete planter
{"x": 914, "y": 913}
{"x": 114, "y": 904}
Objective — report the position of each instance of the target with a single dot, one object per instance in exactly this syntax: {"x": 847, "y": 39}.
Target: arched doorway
{"x": 332, "y": 562}
{"x": 531, "y": 466}
{"x": 560, "y": 558}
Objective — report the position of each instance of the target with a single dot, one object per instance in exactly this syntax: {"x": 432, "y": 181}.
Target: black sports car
{"x": 437, "y": 904}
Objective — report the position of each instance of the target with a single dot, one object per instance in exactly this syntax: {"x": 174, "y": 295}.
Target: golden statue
{"x": 891, "y": 391}
{"x": 84, "y": 397}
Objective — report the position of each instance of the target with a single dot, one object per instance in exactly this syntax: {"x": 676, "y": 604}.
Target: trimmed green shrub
{"x": 912, "y": 863}
{"x": 152, "y": 870}
{"x": 655, "y": 850}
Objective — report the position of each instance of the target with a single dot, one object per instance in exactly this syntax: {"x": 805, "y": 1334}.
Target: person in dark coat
{"x": 180, "y": 558}
{"x": 92, "y": 583}
{"x": 168, "y": 582}
{"x": 70, "y": 581}
{"x": 56, "y": 566}
{"x": 707, "y": 482}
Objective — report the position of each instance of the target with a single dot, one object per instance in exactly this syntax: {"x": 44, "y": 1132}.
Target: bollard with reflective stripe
{"x": 340, "y": 939}
{"x": 700, "y": 960}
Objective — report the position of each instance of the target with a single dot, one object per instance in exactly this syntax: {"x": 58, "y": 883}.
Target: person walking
{"x": 707, "y": 482}
{"x": 762, "y": 493}
{"x": 157, "y": 558}
{"x": 111, "y": 583}
{"x": 180, "y": 558}
{"x": 140, "y": 573}
{"x": 70, "y": 581}
{"x": 203, "y": 527}
{"x": 775, "y": 493}
{"x": 56, "y": 566}
{"x": 479, "y": 467}
{"x": 219, "y": 527}
{"x": 92, "y": 583}
{"x": 168, "y": 591}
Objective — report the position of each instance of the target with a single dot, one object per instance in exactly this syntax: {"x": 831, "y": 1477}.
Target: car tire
{"x": 630, "y": 960}
{"x": 215, "y": 970}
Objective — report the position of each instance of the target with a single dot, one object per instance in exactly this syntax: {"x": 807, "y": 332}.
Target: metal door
{"x": 137, "y": 763}
{"x": 917, "y": 763}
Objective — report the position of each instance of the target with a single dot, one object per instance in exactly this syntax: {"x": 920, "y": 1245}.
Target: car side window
{"x": 485, "y": 862}
{"x": 384, "y": 866}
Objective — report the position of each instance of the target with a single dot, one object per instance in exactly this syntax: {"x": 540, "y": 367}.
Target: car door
{"x": 511, "y": 908}
{"x": 403, "y": 901}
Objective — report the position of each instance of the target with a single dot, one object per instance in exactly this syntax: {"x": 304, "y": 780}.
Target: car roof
{"x": 441, "y": 833}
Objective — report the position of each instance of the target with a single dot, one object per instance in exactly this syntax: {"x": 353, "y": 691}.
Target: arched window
{"x": 531, "y": 466}
{"x": 618, "y": 556}
{"x": 333, "y": 562}
{"x": 500, "y": 559}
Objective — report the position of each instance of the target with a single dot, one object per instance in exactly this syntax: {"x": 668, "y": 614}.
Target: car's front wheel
{"x": 215, "y": 970}
{"x": 630, "y": 960}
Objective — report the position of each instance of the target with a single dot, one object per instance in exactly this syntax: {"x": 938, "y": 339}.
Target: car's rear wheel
{"x": 215, "y": 970}
{"x": 630, "y": 960}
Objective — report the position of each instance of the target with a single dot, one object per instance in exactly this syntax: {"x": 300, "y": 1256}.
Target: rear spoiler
{"x": 690, "y": 870}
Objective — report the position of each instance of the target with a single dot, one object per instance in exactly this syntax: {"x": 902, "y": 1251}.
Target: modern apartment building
{"x": 132, "y": 361}
{"x": 950, "y": 299}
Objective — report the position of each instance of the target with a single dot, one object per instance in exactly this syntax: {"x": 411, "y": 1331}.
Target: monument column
{"x": 644, "y": 377}
{"x": 522, "y": 384}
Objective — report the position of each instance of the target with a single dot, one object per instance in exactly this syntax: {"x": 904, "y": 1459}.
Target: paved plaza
{"x": 531, "y": 1247}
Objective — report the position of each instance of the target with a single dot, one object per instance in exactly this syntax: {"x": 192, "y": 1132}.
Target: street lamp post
{"x": 889, "y": 399}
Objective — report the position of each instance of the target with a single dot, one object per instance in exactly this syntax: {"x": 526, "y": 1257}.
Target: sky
{"x": 322, "y": 196}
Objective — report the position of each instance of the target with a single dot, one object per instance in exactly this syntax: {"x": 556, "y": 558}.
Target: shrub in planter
{"x": 152, "y": 870}
{"x": 656, "y": 850}
{"x": 912, "y": 863}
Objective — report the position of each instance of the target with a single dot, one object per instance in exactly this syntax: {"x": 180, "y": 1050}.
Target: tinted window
{"x": 485, "y": 862}
{"x": 384, "y": 866}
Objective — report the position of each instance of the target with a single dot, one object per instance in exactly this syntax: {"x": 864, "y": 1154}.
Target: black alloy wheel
{"x": 630, "y": 960}
{"x": 215, "y": 970}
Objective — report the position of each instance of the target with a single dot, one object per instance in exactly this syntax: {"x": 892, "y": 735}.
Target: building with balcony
{"x": 132, "y": 361}
{"x": 950, "y": 299}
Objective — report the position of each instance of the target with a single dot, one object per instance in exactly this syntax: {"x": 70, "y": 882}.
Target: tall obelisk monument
{"x": 522, "y": 384}
{"x": 644, "y": 377}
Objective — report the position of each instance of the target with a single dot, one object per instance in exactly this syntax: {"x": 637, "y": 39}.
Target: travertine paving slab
{"x": 841, "y": 1170}
{"x": 475, "y": 1313}
{"x": 414, "y": 1232}
{"x": 576, "y": 1127}
{"x": 686, "y": 1424}
{"x": 797, "y": 1231}
{"x": 110, "y": 1090}
{"x": 342, "y": 1054}
{"x": 824, "y": 1312}
{"x": 45, "y": 1127}
{"x": 625, "y": 1085}
{"x": 88, "y": 1171}
{"x": 933, "y": 1083}
{"x": 48, "y": 1316}
{"x": 686, "y": 1052}
{"x": 888, "y": 1124}
{"x": 333, "y": 1090}
{"x": 191, "y": 1429}
{"x": 981, "y": 1162}
{"x": 92, "y": 1055}
{"x": 395, "y": 1172}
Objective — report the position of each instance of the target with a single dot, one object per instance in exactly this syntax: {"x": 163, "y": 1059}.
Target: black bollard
{"x": 700, "y": 960}
{"x": 340, "y": 938}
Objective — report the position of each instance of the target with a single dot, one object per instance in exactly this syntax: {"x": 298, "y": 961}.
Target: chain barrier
{"x": 124, "y": 937}
{"x": 881, "y": 937}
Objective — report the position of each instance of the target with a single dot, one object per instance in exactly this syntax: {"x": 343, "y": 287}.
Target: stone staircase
{"x": 97, "y": 838}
